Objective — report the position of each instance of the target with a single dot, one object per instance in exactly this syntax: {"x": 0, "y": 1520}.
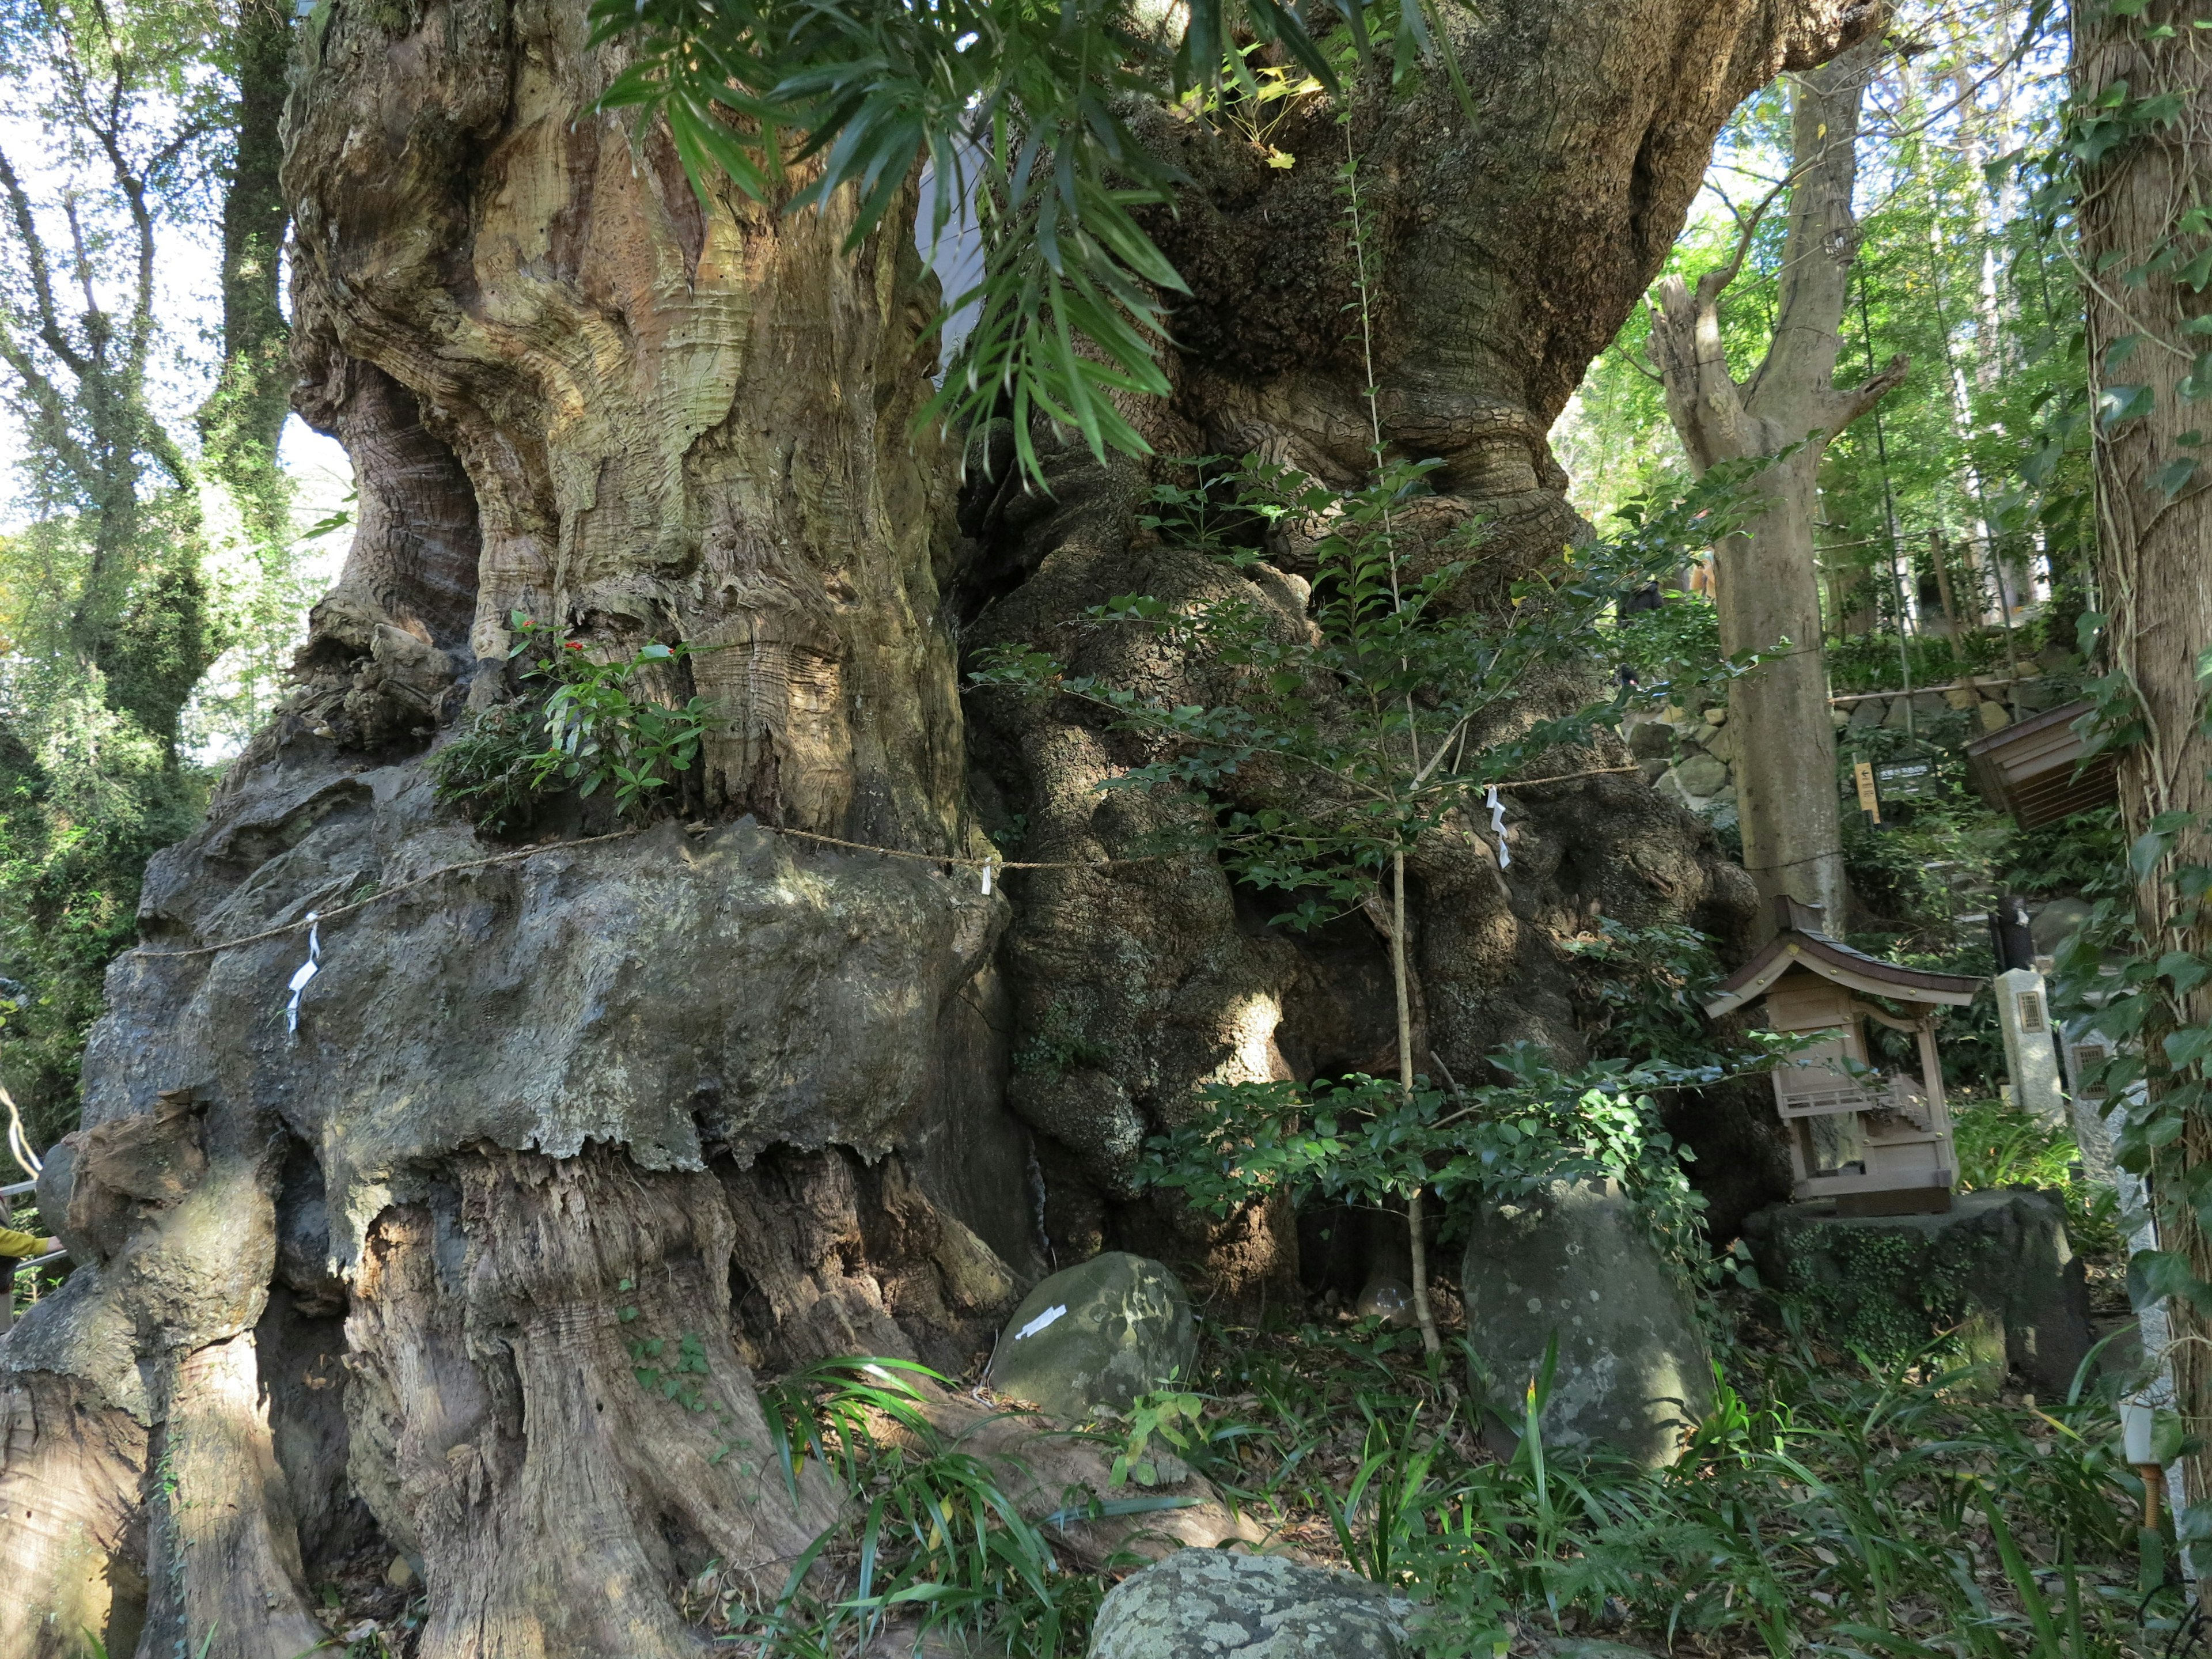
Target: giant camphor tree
{"x": 373, "y": 1282}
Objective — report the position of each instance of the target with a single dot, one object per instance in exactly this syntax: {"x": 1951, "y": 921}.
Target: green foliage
{"x": 488, "y": 767}
{"x": 1363, "y": 1140}
{"x": 599, "y": 724}
{"x": 933, "y": 1527}
{"x": 2000, "y": 1145}
{"x": 1020, "y": 110}
{"x": 1674, "y": 652}
{"x": 1650, "y": 985}
{"x": 2077, "y": 854}
{"x": 1364, "y": 732}
{"x": 1177, "y": 1419}
{"x": 1059, "y": 1044}
{"x": 1826, "y": 1503}
{"x": 86, "y": 797}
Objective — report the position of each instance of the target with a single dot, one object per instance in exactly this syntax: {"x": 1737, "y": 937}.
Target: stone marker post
{"x": 2024, "y": 1015}
{"x": 2031, "y": 1056}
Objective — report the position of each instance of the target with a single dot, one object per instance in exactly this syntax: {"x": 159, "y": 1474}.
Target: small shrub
{"x": 487, "y": 768}
{"x": 592, "y": 730}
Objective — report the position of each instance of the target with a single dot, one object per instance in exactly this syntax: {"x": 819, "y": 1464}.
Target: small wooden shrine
{"x": 1877, "y": 1143}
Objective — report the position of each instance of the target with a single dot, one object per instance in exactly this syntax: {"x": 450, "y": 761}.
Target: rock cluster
{"x": 1690, "y": 754}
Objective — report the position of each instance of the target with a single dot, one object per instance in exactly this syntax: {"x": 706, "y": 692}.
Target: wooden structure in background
{"x": 1877, "y": 1144}
{"x": 2029, "y": 770}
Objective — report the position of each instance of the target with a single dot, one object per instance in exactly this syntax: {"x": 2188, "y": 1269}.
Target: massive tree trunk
{"x": 2155, "y": 586}
{"x": 1769, "y": 587}
{"x": 716, "y": 1081}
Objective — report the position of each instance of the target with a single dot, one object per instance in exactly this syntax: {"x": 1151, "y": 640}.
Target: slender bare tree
{"x": 1788, "y": 406}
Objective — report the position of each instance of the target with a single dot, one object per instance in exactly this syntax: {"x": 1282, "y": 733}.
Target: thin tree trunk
{"x": 1768, "y": 590}
{"x": 1401, "y": 985}
{"x": 2155, "y": 587}
{"x": 1938, "y": 557}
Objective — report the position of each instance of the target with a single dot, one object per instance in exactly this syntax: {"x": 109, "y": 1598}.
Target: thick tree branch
{"x": 42, "y": 281}
{"x": 1849, "y": 403}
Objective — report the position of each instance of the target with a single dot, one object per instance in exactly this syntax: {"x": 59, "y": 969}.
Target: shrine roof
{"x": 1799, "y": 945}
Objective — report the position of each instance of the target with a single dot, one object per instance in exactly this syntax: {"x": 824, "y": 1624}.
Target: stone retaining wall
{"x": 1691, "y": 754}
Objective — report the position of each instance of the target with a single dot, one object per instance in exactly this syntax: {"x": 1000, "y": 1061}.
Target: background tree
{"x": 1769, "y": 584}
{"x": 2138, "y": 137}
{"x": 149, "y": 550}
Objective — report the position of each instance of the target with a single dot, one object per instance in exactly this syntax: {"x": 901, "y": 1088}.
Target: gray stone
{"x": 2032, "y": 697}
{"x": 2055, "y": 923}
{"x": 1208, "y": 1604}
{"x": 1652, "y": 740}
{"x": 1998, "y": 1262}
{"x": 1714, "y": 716}
{"x": 1925, "y": 706}
{"x": 1869, "y": 711}
{"x": 1700, "y": 774}
{"x": 1993, "y": 716}
{"x": 1578, "y": 1261}
{"x": 1093, "y": 1338}
{"x": 1722, "y": 745}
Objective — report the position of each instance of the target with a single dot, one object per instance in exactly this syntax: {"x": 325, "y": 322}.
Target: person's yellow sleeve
{"x": 20, "y": 1245}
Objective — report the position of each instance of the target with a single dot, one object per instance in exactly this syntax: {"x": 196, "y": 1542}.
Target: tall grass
{"x": 2000, "y": 1145}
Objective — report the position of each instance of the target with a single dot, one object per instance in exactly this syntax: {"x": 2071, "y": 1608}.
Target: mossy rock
{"x": 1996, "y": 1269}
{"x": 1091, "y": 1339}
{"x": 1577, "y": 1264}
{"x": 1209, "y": 1604}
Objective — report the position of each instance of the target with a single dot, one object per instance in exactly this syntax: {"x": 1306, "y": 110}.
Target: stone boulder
{"x": 1208, "y": 1604}
{"x": 1700, "y": 774}
{"x": 1091, "y": 1339}
{"x": 1997, "y": 1266}
{"x": 1577, "y": 1261}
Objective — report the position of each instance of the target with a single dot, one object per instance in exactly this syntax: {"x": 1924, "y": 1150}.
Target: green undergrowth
{"x": 1999, "y": 1145}
{"x": 1827, "y": 1504}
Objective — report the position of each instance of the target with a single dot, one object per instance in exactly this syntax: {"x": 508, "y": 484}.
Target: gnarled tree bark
{"x": 752, "y": 1087}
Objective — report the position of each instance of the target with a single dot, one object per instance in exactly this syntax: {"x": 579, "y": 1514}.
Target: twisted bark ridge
{"x": 373, "y": 1287}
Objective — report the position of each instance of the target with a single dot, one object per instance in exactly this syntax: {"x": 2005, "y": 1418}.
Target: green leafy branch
{"x": 1368, "y": 1141}
{"x": 1018, "y": 109}
{"x": 600, "y": 725}
{"x": 1366, "y": 730}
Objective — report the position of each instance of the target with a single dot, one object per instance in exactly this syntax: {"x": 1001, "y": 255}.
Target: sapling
{"x": 1367, "y": 731}
{"x": 1350, "y": 742}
